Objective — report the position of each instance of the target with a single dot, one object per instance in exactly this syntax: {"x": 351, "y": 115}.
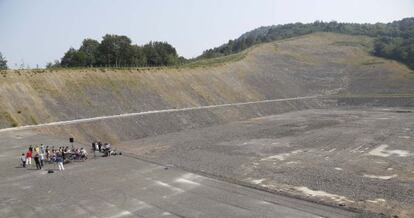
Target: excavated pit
{"x": 306, "y": 117}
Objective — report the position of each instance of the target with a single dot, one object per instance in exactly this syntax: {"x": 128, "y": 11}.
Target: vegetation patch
{"x": 351, "y": 43}
{"x": 216, "y": 61}
{"x": 33, "y": 120}
{"x": 10, "y": 119}
{"x": 372, "y": 62}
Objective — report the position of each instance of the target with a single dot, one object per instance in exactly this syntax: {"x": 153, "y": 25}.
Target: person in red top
{"x": 29, "y": 157}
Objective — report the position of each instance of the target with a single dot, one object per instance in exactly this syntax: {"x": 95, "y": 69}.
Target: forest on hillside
{"x": 392, "y": 40}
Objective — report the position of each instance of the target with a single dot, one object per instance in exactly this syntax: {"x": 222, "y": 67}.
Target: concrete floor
{"x": 354, "y": 157}
{"x": 123, "y": 186}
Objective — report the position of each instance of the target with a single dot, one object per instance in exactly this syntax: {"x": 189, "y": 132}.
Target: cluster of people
{"x": 102, "y": 147}
{"x": 51, "y": 154}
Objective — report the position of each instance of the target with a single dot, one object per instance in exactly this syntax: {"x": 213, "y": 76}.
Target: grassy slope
{"x": 313, "y": 64}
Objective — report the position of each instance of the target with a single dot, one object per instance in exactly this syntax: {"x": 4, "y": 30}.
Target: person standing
{"x": 96, "y": 147}
{"x": 47, "y": 152}
{"x": 29, "y": 157}
{"x": 63, "y": 151}
{"x": 37, "y": 161}
{"x": 42, "y": 158}
{"x": 23, "y": 160}
{"x": 93, "y": 149}
{"x": 59, "y": 161}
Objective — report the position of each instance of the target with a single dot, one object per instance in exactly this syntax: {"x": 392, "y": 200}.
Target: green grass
{"x": 351, "y": 43}
{"x": 216, "y": 61}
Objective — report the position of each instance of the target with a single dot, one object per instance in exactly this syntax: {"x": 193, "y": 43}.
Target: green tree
{"x": 153, "y": 58}
{"x": 3, "y": 62}
{"x": 54, "y": 64}
{"x": 74, "y": 58}
{"x": 138, "y": 58}
{"x": 115, "y": 50}
{"x": 160, "y": 54}
{"x": 90, "y": 49}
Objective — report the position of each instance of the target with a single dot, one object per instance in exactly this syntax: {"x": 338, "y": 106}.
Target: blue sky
{"x": 39, "y": 31}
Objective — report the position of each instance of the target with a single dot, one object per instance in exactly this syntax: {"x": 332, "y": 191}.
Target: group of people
{"x": 50, "y": 154}
{"x": 102, "y": 147}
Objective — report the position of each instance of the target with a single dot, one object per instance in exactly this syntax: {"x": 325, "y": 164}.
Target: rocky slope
{"x": 319, "y": 63}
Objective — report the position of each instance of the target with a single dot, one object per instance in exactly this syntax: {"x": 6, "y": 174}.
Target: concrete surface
{"x": 123, "y": 186}
{"x": 355, "y": 157}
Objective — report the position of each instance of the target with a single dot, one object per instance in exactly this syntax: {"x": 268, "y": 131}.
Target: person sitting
{"x": 77, "y": 154}
{"x": 107, "y": 149}
{"x": 83, "y": 153}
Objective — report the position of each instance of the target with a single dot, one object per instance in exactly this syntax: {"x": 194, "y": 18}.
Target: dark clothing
{"x": 37, "y": 161}
{"x": 59, "y": 159}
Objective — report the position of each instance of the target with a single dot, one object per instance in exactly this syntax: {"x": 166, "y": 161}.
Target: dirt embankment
{"x": 319, "y": 63}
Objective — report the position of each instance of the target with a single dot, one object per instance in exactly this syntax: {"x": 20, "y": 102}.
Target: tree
{"x": 3, "y": 62}
{"x": 55, "y": 64}
{"x": 167, "y": 53}
{"x": 160, "y": 54}
{"x": 138, "y": 57}
{"x": 153, "y": 58}
{"x": 115, "y": 50}
{"x": 90, "y": 49}
{"x": 74, "y": 58}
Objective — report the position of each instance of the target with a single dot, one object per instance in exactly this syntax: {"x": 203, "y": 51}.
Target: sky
{"x": 34, "y": 32}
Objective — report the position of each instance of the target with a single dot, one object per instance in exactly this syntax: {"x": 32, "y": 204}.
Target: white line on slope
{"x": 153, "y": 112}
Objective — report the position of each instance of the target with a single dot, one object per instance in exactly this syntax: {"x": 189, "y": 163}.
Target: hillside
{"x": 318, "y": 63}
{"x": 391, "y": 40}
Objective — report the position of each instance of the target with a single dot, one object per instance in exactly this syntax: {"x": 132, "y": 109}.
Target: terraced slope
{"x": 320, "y": 63}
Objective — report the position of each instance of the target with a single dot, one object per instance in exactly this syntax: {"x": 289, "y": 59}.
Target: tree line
{"x": 399, "y": 45}
{"x": 392, "y": 40}
{"x": 118, "y": 51}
